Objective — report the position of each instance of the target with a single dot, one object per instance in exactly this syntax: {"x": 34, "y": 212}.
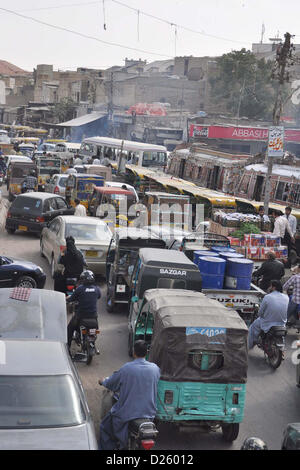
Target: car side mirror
{"x": 134, "y": 299}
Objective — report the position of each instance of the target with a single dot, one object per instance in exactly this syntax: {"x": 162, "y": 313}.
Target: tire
{"x": 41, "y": 250}
{"x": 89, "y": 355}
{"x": 130, "y": 348}
{"x": 11, "y": 231}
{"x": 52, "y": 266}
{"x": 276, "y": 357}
{"x": 230, "y": 431}
{"x": 26, "y": 282}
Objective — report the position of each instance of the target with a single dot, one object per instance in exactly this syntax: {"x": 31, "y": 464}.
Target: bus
{"x": 137, "y": 153}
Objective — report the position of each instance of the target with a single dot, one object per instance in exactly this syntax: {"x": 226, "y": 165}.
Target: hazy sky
{"x": 26, "y": 43}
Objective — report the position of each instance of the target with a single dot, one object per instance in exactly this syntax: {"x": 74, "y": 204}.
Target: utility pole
{"x": 282, "y": 61}
{"x": 110, "y": 106}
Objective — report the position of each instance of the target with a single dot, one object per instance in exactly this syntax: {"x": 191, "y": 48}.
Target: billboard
{"x": 239, "y": 133}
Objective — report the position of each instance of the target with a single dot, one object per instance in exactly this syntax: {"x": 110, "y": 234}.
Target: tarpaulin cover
{"x": 187, "y": 320}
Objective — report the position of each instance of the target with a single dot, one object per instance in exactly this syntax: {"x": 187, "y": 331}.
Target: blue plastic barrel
{"x": 230, "y": 255}
{"x": 238, "y": 273}
{"x": 212, "y": 271}
{"x": 222, "y": 249}
{"x": 200, "y": 253}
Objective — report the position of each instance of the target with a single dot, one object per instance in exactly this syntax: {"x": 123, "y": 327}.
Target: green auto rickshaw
{"x": 201, "y": 349}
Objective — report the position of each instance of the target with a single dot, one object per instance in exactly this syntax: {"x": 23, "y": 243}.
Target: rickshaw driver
{"x": 30, "y": 182}
{"x": 272, "y": 312}
{"x": 136, "y": 384}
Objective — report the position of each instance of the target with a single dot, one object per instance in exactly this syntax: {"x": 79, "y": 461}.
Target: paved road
{"x": 272, "y": 397}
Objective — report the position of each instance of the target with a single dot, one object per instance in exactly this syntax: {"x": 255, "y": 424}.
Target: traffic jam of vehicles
{"x": 199, "y": 280}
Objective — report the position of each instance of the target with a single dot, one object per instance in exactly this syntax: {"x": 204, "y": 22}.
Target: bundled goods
{"x": 252, "y": 252}
{"x": 257, "y": 239}
{"x": 272, "y": 240}
{"x": 234, "y": 241}
{"x": 281, "y": 252}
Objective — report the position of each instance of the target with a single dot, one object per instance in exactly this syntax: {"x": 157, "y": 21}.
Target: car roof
{"x": 39, "y": 195}
{"x": 33, "y": 357}
{"x": 42, "y": 315}
{"x": 86, "y": 220}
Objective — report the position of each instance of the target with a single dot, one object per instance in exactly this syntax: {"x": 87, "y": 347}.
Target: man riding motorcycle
{"x": 136, "y": 385}
{"x": 30, "y": 182}
{"x": 87, "y": 295}
{"x": 272, "y": 312}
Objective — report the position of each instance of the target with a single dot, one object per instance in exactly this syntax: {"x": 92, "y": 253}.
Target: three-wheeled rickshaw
{"x": 81, "y": 186}
{"x": 201, "y": 349}
{"x": 121, "y": 258}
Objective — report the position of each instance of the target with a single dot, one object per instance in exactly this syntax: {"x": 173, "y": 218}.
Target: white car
{"x": 57, "y": 184}
{"x": 92, "y": 237}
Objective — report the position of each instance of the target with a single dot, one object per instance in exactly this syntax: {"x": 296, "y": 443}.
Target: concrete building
{"x": 81, "y": 85}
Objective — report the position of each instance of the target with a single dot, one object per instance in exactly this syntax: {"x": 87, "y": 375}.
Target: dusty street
{"x": 272, "y": 397}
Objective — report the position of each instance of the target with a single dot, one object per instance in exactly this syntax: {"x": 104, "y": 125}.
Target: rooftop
{"x": 6, "y": 68}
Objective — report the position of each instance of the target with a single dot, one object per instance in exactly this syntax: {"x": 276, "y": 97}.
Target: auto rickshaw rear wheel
{"x": 230, "y": 431}
{"x": 130, "y": 348}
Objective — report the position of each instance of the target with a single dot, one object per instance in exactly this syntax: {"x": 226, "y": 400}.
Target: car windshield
{"x": 39, "y": 401}
{"x": 88, "y": 232}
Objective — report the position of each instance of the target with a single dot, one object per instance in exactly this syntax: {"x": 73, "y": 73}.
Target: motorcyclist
{"x": 254, "y": 443}
{"x": 136, "y": 385}
{"x": 269, "y": 270}
{"x": 73, "y": 263}
{"x": 30, "y": 182}
{"x": 272, "y": 312}
{"x": 87, "y": 295}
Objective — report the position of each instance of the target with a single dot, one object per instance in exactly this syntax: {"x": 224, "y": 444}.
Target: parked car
{"x": 92, "y": 236}
{"x": 30, "y": 212}
{"x": 20, "y": 273}
{"x": 57, "y": 184}
{"x": 43, "y": 406}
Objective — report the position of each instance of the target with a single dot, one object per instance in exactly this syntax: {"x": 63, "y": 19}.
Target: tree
{"x": 243, "y": 84}
{"x": 64, "y": 110}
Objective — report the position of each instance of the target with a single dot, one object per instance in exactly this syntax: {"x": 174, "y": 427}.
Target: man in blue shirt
{"x": 87, "y": 295}
{"x": 136, "y": 385}
{"x": 272, "y": 312}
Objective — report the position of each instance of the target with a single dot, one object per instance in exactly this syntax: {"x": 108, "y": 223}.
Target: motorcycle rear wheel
{"x": 275, "y": 356}
{"x": 89, "y": 355}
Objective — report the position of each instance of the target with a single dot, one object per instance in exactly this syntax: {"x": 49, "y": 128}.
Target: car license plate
{"x": 22, "y": 227}
{"x": 91, "y": 253}
{"x": 121, "y": 288}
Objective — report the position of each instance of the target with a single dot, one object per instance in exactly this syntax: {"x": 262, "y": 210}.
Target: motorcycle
{"x": 142, "y": 434}
{"x": 85, "y": 339}
{"x": 273, "y": 344}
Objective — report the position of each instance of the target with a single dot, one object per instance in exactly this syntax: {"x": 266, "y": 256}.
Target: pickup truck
{"x": 245, "y": 302}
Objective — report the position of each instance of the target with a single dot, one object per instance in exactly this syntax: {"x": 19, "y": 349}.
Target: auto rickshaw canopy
{"x": 188, "y": 325}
